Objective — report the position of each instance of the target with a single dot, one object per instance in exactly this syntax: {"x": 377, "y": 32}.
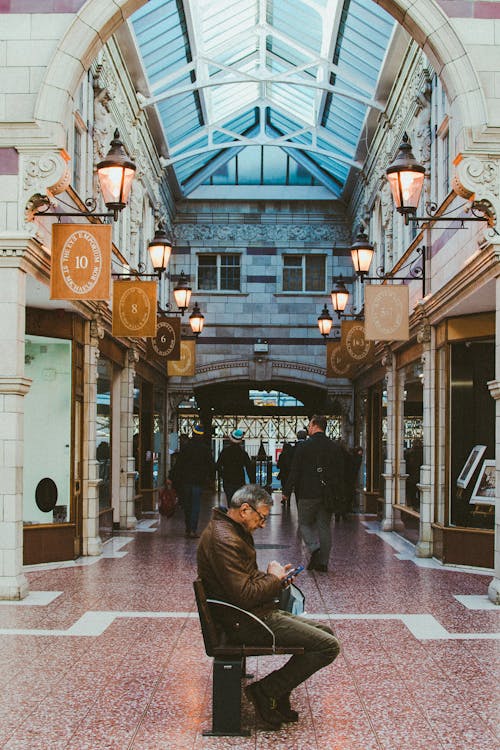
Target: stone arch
{"x": 97, "y": 20}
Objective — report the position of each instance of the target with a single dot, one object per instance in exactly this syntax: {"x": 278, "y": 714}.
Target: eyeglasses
{"x": 262, "y": 517}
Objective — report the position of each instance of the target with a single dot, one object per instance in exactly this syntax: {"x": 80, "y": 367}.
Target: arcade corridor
{"x": 105, "y": 653}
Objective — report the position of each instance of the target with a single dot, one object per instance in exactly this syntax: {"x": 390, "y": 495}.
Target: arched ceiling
{"x": 233, "y": 398}
{"x": 277, "y": 90}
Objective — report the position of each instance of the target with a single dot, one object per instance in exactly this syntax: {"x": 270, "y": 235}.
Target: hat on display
{"x": 236, "y": 436}
{"x": 198, "y": 430}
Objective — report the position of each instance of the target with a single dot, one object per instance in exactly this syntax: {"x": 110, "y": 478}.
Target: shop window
{"x": 413, "y": 431}
{"x": 472, "y": 434}
{"x": 47, "y": 442}
{"x": 219, "y": 272}
{"x": 158, "y": 440}
{"x": 103, "y": 431}
{"x": 304, "y": 273}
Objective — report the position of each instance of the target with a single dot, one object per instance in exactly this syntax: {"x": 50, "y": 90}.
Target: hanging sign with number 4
{"x": 81, "y": 261}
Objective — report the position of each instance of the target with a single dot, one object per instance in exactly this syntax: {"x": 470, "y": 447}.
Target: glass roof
{"x": 298, "y": 75}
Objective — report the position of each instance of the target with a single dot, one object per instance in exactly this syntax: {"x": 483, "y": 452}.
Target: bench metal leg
{"x": 226, "y": 698}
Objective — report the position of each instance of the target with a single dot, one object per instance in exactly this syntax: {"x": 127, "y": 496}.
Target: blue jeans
{"x": 321, "y": 647}
{"x": 191, "y": 501}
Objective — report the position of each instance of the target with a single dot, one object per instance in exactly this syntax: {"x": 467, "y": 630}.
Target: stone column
{"x": 13, "y": 387}
{"x": 92, "y": 543}
{"x": 494, "y": 386}
{"x": 127, "y": 463}
{"x": 426, "y": 486}
{"x": 389, "y": 464}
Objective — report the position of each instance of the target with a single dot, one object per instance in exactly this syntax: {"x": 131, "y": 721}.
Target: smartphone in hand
{"x": 291, "y": 574}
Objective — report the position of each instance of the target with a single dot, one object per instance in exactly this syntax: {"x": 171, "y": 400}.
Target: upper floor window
{"x": 304, "y": 273}
{"x": 219, "y": 271}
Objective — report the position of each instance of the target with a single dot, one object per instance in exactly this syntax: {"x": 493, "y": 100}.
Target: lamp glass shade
{"x": 196, "y": 320}
{"x": 325, "y": 322}
{"x": 116, "y": 173}
{"x": 160, "y": 255}
{"x": 340, "y": 296}
{"x": 362, "y": 258}
{"x": 182, "y": 294}
{"x": 159, "y": 250}
{"x": 406, "y": 179}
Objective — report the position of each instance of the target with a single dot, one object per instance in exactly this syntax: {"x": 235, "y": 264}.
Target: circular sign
{"x": 185, "y": 364}
{"x": 388, "y": 311}
{"x": 46, "y": 494}
{"x": 164, "y": 341}
{"x": 134, "y": 308}
{"x": 338, "y": 361}
{"x": 81, "y": 261}
{"x": 356, "y": 344}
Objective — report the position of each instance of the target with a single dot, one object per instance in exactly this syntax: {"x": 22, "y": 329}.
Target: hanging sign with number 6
{"x": 167, "y": 342}
{"x": 134, "y": 308}
{"x": 81, "y": 261}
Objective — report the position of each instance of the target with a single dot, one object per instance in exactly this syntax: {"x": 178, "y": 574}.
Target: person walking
{"x": 232, "y": 463}
{"x": 317, "y": 476}
{"x": 285, "y": 461}
{"x": 228, "y": 568}
{"x": 194, "y": 467}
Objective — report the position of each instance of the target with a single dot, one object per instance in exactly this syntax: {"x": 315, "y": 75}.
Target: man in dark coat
{"x": 228, "y": 568}
{"x": 319, "y": 461}
{"x": 193, "y": 469}
{"x": 231, "y": 464}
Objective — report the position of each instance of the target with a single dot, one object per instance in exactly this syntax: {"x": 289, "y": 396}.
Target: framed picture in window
{"x": 484, "y": 491}
{"x": 470, "y": 466}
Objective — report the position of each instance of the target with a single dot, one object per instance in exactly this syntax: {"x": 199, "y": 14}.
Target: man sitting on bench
{"x": 228, "y": 568}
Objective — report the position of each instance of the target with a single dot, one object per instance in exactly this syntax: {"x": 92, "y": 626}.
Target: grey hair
{"x": 253, "y": 494}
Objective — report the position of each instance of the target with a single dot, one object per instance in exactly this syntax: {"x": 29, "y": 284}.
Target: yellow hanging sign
{"x": 134, "y": 308}
{"x": 81, "y": 261}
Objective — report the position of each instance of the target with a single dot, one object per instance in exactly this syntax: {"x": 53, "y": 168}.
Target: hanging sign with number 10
{"x": 81, "y": 261}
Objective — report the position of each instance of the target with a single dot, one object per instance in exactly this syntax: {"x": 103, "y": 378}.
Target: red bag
{"x": 167, "y": 500}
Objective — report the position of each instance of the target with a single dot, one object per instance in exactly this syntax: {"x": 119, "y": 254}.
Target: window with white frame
{"x": 219, "y": 272}
{"x": 304, "y": 273}
{"x": 81, "y": 146}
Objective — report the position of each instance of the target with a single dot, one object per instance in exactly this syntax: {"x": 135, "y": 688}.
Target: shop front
{"x": 52, "y": 472}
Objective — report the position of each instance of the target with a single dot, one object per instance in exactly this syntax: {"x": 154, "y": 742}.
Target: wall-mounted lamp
{"x": 196, "y": 320}
{"x": 406, "y": 179}
{"x": 325, "y": 322}
{"x": 159, "y": 250}
{"x": 116, "y": 173}
{"x": 340, "y": 296}
{"x": 182, "y": 291}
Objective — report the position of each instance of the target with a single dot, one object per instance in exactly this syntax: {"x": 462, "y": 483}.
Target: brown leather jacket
{"x": 228, "y": 568}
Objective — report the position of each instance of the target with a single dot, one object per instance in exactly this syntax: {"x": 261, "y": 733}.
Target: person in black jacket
{"x": 231, "y": 465}
{"x": 194, "y": 467}
{"x": 318, "y": 461}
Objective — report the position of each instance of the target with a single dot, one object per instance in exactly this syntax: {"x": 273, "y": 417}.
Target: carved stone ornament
{"x": 46, "y": 173}
{"x": 263, "y": 233}
{"x": 479, "y": 178}
{"x": 424, "y": 333}
{"x": 387, "y": 358}
{"x": 133, "y": 355}
{"x": 96, "y": 329}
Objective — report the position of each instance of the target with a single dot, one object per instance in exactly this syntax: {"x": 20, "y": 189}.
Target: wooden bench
{"x": 229, "y": 660}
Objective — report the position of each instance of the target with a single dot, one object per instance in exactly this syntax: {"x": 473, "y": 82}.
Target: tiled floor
{"x": 110, "y": 657}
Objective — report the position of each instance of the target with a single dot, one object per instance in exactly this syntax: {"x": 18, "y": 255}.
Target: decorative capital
{"x": 387, "y": 358}
{"x": 96, "y": 328}
{"x": 133, "y": 355}
{"x": 44, "y": 173}
{"x": 478, "y": 179}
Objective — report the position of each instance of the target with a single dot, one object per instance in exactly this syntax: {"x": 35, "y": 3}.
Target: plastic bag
{"x": 167, "y": 500}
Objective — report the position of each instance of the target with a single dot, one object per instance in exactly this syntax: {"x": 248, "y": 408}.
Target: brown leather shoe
{"x": 265, "y": 707}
